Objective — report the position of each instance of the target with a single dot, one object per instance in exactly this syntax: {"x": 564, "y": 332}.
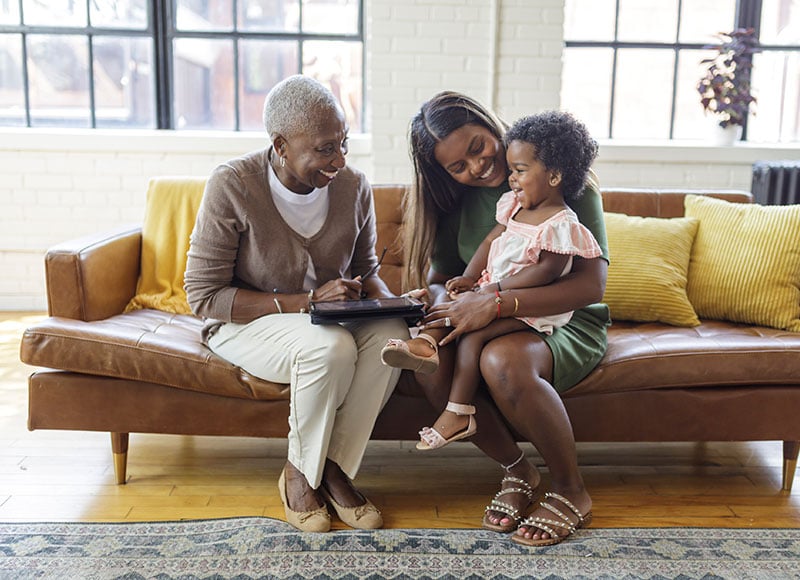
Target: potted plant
{"x": 725, "y": 87}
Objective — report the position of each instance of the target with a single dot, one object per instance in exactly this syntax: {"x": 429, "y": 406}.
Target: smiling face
{"x": 313, "y": 158}
{"x": 473, "y": 156}
{"x": 532, "y": 183}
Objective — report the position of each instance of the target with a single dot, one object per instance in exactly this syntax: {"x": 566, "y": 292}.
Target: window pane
{"x": 586, "y": 87}
{"x": 12, "y": 97}
{"x": 643, "y": 98}
{"x": 702, "y": 19}
{"x": 330, "y": 16}
{"x": 780, "y": 22}
{"x": 58, "y": 73}
{"x": 123, "y": 82}
{"x": 269, "y": 15}
{"x": 55, "y": 13}
{"x": 648, "y": 20}
{"x": 691, "y": 121}
{"x": 119, "y": 13}
{"x": 9, "y": 12}
{"x": 204, "y": 95}
{"x": 263, "y": 63}
{"x": 204, "y": 15}
{"x": 338, "y": 66}
{"x": 589, "y": 19}
{"x": 776, "y": 86}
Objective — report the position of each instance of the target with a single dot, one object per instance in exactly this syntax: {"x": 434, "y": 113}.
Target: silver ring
{"x": 447, "y": 321}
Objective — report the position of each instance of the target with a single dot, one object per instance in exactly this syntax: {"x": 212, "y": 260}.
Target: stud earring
{"x": 283, "y": 161}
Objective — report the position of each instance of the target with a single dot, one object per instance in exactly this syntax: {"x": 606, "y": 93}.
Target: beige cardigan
{"x": 240, "y": 239}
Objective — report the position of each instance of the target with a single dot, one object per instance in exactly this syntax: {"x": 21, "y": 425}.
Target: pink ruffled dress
{"x": 520, "y": 245}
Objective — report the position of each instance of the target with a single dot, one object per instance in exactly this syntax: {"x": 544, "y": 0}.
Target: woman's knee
{"x": 333, "y": 346}
{"x": 515, "y": 361}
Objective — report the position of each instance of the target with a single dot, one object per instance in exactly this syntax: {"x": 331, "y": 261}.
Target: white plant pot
{"x": 725, "y": 136}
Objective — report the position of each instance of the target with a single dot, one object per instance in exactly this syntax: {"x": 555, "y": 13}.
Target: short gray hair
{"x": 291, "y": 106}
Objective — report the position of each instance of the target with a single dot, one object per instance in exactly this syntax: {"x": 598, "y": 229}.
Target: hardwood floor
{"x": 68, "y": 476}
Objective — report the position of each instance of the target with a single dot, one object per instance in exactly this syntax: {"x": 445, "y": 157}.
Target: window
{"x": 171, "y": 64}
{"x": 631, "y": 67}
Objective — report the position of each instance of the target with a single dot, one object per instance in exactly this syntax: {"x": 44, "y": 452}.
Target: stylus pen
{"x": 372, "y": 270}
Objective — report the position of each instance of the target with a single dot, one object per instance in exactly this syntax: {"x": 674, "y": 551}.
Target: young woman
{"x": 460, "y": 173}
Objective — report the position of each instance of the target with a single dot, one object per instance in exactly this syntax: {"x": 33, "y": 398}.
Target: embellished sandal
{"x": 497, "y": 505}
{"x": 548, "y": 525}
{"x": 430, "y": 438}
{"x": 396, "y": 354}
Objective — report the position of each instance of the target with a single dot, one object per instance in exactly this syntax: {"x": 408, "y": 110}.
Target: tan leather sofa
{"x": 147, "y": 372}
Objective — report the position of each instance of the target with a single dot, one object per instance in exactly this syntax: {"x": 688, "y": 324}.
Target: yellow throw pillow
{"x": 647, "y": 273}
{"x": 745, "y": 263}
{"x": 171, "y": 208}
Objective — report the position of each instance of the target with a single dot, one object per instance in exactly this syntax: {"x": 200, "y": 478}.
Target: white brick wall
{"x": 58, "y": 185}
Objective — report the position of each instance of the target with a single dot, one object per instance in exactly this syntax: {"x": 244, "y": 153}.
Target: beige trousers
{"x": 338, "y": 383}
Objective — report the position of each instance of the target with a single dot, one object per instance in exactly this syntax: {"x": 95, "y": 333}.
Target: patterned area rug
{"x": 249, "y": 548}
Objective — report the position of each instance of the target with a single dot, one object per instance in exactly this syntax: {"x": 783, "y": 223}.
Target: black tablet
{"x": 370, "y": 308}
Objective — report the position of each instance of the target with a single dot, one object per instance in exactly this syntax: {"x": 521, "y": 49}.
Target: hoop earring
{"x": 283, "y": 161}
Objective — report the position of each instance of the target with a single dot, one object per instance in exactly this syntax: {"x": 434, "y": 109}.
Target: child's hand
{"x": 459, "y": 284}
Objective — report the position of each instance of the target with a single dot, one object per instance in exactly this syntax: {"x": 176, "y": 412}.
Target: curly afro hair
{"x": 562, "y": 144}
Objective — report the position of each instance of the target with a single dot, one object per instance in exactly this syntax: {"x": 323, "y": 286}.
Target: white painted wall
{"x": 58, "y": 185}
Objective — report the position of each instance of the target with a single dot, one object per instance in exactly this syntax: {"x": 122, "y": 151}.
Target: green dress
{"x": 578, "y": 346}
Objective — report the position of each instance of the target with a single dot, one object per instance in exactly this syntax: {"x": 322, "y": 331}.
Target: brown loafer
{"x": 318, "y": 520}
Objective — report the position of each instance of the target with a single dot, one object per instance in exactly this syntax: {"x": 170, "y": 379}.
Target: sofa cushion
{"x": 647, "y": 273}
{"x": 145, "y": 345}
{"x": 745, "y": 264}
{"x": 645, "y": 356}
{"x": 170, "y": 211}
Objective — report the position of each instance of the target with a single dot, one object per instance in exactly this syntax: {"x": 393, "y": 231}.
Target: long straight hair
{"x": 434, "y": 192}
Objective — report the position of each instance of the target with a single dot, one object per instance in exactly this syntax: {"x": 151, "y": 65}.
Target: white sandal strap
{"x": 460, "y": 409}
{"x": 430, "y": 340}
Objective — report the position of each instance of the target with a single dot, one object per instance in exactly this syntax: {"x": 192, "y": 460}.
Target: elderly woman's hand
{"x": 337, "y": 290}
{"x": 467, "y": 312}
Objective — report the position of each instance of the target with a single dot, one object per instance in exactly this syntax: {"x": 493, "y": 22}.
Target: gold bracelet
{"x": 516, "y": 306}
{"x": 278, "y": 305}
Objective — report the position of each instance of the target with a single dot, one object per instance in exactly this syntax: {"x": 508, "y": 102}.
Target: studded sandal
{"x": 498, "y": 505}
{"x": 548, "y": 525}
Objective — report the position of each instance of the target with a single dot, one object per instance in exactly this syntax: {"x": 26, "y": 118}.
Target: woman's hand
{"x": 468, "y": 312}
{"x": 337, "y": 290}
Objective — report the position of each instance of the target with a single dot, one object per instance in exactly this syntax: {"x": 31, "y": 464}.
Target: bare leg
{"x": 493, "y": 438}
{"x": 535, "y": 410}
{"x": 466, "y": 377}
{"x": 300, "y": 496}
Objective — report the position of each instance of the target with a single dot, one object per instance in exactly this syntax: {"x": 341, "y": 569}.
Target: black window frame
{"x": 747, "y": 15}
{"x": 162, "y": 30}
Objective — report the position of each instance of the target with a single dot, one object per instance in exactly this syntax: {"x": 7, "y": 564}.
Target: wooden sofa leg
{"x": 119, "y": 446}
{"x": 790, "y": 451}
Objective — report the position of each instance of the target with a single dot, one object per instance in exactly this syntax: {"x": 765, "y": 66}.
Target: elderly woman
{"x": 277, "y": 228}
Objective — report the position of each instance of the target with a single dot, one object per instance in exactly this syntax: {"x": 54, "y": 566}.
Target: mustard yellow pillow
{"x": 745, "y": 264}
{"x": 170, "y": 211}
{"x": 647, "y": 273}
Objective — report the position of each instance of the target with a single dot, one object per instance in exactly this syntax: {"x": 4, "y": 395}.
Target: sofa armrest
{"x": 93, "y": 277}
